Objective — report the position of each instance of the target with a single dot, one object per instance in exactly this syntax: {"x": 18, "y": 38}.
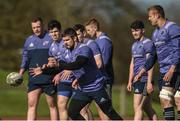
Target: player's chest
{"x": 38, "y": 44}
{"x": 161, "y": 38}
{"x": 138, "y": 50}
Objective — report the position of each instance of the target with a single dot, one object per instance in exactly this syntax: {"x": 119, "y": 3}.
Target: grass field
{"x": 13, "y": 101}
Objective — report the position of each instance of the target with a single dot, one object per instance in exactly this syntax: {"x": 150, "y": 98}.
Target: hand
{"x": 45, "y": 66}
{"x": 139, "y": 75}
{"x": 52, "y": 62}
{"x": 150, "y": 88}
{"x": 35, "y": 71}
{"x": 129, "y": 87}
{"x": 66, "y": 74}
{"x": 74, "y": 84}
{"x": 168, "y": 76}
{"x": 57, "y": 79}
{"x": 21, "y": 72}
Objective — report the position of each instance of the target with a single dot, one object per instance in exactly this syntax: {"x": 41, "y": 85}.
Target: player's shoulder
{"x": 170, "y": 24}
{"x": 172, "y": 28}
{"x": 30, "y": 37}
{"x": 89, "y": 41}
{"x": 82, "y": 45}
{"x": 104, "y": 39}
{"x": 146, "y": 40}
{"x": 47, "y": 36}
{"x": 104, "y": 36}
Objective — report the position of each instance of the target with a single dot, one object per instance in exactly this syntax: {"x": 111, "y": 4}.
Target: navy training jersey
{"x": 106, "y": 48}
{"x": 35, "y": 53}
{"x": 89, "y": 76}
{"x": 140, "y": 49}
{"x": 57, "y": 50}
{"x": 167, "y": 42}
{"x": 96, "y": 51}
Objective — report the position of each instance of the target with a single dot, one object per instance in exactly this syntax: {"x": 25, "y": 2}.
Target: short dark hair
{"x": 54, "y": 24}
{"x": 79, "y": 27}
{"x": 94, "y": 22}
{"x": 137, "y": 24}
{"x": 69, "y": 32}
{"x": 159, "y": 10}
{"x": 37, "y": 19}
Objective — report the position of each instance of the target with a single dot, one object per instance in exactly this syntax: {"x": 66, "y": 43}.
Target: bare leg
{"x": 62, "y": 106}
{"x": 86, "y": 112}
{"x": 101, "y": 114}
{"x": 138, "y": 106}
{"x": 51, "y": 100}
{"x": 149, "y": 110}
{"x": 33, "y": 99}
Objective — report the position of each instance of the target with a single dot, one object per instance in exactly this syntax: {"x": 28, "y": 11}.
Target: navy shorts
{"x": 48, "y": 89}
{"x": 162, "y": 83}
{"x": 65, "y": 89}
{"x": 140, "y": 88}
{"x": 177, "y": 85}
{"x": 99, "y": 96}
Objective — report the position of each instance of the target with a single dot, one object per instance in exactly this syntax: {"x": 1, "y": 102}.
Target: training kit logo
{"x": 31, "y": 45}
{"x": 103, "y": 100}
{"x": 45, "y": 43}
{"x": 136, "y": 90}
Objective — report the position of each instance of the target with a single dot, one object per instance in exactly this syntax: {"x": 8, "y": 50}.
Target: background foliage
{"x": 115, "y": 17}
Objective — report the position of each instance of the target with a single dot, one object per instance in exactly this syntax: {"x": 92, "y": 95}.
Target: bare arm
{"x": 150, "y": 80}
{"x": 21, "y": 71}
{"x": 98, "y": 60}
{"x": 169, "y": 74}
{"x": 131, "y": 75}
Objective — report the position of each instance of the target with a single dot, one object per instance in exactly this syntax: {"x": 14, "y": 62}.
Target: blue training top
{"x": 57, "y": 50}
{"x": 140, "y": 51}
{"x": 35, "y": 53}
{"x": 167, "y": 42}
{"x": 89, "y": 76}
{"x": 106, "y": 49}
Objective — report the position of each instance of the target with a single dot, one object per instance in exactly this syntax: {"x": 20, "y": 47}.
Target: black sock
{"x": 169, "y": 113}
{"x": 178, "y": 115}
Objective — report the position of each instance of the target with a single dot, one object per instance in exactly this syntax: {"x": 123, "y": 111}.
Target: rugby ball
{"x": 14, "y": 79}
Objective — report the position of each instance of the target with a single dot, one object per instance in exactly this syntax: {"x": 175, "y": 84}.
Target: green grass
{"x": 13, "y": 100}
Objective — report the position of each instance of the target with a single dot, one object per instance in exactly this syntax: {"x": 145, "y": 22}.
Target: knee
{"x": 138, "y": 109}
{"x": 177, "y": 102}
{"x": 52, "y": 105}
{"x": 177, "y": 99}
{"x": 166, "y": 98}
{"x": 32, "y": 104}
{"x": 166, "y": 103}
{"x": 83, "y": 111}
{"x": 62, "y": 107}
{"x": 62, "y": 104}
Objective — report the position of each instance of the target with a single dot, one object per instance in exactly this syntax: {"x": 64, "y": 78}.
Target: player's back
{"x": 106, "y": 47}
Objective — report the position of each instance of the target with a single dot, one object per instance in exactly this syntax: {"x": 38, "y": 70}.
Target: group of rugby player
{"x": 77, "y": 64}
{"x": 77, "y": 61}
